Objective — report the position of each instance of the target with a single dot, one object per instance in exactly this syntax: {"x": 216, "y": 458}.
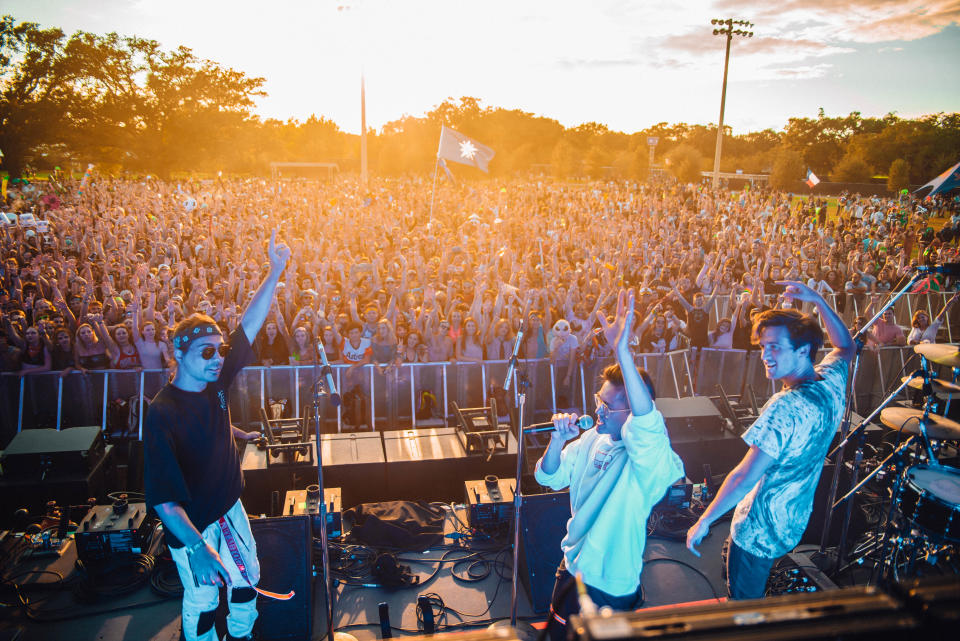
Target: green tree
{"x": 851, "y": 169}
{"x": 685, "y": 164}
{"x": 899, "y": 175}
{"x": 787, "y": 169}
{"x": 36, "y": 90}
{"x": 632, "y": 164}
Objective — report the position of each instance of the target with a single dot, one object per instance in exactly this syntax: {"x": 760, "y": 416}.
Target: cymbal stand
{"x": 860, "y": 341}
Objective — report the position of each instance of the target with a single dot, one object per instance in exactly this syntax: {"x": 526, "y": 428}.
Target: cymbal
{"x": 938, "y": 427}
{"x": 940, "y": 353}
{"x": 941, "y": 388}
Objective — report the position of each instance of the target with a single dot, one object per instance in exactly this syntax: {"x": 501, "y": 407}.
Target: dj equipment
{"x": 491, "y": 503}
{"x": 307, "y": 502}
{"x": 677, "y": 495}
{"x": 855, "y": 613}
{"x": 284, "y": 548}
{"x": 40, "y": 453}
{"x": 108, "y": 531}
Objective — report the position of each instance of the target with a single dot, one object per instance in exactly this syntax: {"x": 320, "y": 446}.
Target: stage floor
{"x": 671, "y": 575}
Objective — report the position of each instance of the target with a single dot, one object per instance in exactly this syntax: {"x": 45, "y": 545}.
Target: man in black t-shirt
{"x": 192, "y": 475}
{"x": 698, "y": 316}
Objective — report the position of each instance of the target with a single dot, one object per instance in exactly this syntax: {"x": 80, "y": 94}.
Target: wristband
{"x": 193, "y": 549}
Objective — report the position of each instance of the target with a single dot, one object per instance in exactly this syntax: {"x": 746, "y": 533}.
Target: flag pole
{"x": 436, "y": 167}
{"x": 433, "y": 192}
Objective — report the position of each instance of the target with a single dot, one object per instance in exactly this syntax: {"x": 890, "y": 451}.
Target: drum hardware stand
{"x": 861, "y": 431}
{"x": 323, "y": 387}
{"x": 859, "y": 341}
{"x": 925, "y": 439}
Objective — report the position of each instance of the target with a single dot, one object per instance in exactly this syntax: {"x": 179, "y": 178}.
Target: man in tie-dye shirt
{"x": 773, "y": 486}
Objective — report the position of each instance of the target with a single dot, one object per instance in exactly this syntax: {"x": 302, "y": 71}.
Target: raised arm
{"x": 259, "y": 305}
{"x": 618, "y": 334}
{"x": 683, "y": 301}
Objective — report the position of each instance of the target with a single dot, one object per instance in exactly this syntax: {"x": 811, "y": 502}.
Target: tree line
{"x": 127, "y": 104}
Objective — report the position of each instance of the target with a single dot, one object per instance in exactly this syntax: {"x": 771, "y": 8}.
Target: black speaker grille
{"x": 284, "y": 548}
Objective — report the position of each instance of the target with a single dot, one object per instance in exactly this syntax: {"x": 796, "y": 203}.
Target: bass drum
{"x": 930, "y": 499}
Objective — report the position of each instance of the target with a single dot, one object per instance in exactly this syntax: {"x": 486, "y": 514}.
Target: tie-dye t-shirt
{"x": 795, "y": 428}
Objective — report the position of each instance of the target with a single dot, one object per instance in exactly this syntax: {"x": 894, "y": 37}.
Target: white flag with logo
{"x": 456, "y": 147}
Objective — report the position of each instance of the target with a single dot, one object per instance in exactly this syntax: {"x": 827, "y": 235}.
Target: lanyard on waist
{"x": 238, "y": 560}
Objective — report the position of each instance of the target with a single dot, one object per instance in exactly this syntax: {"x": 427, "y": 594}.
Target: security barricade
{"x": 420, "y": 394}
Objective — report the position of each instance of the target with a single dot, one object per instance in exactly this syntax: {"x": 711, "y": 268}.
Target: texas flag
{"x": 812, "y": 180}
{"x": 456, "y": 147}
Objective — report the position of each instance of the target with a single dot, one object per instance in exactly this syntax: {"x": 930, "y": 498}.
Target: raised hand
{"x": 617, "y": 333}
{"x": 797, "y": 291}
{"x": 279, "y": 254}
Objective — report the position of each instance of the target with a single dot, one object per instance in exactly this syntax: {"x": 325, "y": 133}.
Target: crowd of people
{"x": 98, "y": 271}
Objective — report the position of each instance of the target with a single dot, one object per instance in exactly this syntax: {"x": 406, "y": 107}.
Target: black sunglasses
{"x": 209, "y": 350}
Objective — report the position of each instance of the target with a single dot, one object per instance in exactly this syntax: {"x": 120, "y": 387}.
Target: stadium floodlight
{"x": 729, "y": 32}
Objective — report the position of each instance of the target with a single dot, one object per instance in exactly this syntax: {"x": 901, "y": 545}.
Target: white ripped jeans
{"x": 200, "y": 601}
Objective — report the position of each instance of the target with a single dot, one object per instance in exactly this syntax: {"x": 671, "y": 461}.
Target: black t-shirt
{"x": 277, "y": 352}
{"x": 697, "y": 325}
{"x": 189, "y": 454}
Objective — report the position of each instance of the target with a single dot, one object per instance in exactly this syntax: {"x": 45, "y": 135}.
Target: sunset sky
{"x": 623, "y": 63}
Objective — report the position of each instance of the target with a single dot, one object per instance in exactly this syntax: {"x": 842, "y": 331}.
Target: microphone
{"x": 513, "y": 358}
{"x": 327, "y": 374}
{"x": 585, "y": 422}
{"x": 948, "y": 269}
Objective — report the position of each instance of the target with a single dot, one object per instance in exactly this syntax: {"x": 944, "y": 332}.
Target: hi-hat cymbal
{"x": 938, "y": 427}
{"x": 940, "y": 353}
{"x": 943, "y": 389}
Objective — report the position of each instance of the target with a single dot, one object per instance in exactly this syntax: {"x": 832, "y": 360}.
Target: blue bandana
{"x": 181, "y": 339}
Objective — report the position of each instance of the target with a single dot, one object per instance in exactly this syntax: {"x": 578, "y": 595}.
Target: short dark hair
{"x": 352, "y": 326}
{"x": 802, "y": 328}
{"x": 614, "y": 375}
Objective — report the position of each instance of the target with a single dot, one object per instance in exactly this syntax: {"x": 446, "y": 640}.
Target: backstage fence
{"x": 421, "y": 394}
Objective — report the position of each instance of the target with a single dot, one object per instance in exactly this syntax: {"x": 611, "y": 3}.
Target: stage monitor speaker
{"x": 42, "y": 453}
{"x": 543, "y": 524}
{"x": 285, "y": 551}
{"x": 691, "y": 417}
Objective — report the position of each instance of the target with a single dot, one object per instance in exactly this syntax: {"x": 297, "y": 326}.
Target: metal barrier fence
{"x": 421, "y": 394}
{"x": 410, "y": 395}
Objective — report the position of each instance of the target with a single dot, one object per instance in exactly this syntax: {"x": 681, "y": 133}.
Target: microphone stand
{"x": 522, "y": 384}
{"x": 512, "y": 363}
{"x": 859, "y": 340}
{"x": 321, "y": 390}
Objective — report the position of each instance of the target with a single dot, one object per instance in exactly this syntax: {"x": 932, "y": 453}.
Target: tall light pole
{"x": 363, "y": 131}
{"x": 726, "y": 28}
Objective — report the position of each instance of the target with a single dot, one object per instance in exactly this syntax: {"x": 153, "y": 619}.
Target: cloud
{"x": 862, "y": 21}
{"x": 597, "y": 63}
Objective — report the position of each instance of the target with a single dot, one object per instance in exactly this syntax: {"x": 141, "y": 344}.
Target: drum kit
{"x": 923, "y": 519}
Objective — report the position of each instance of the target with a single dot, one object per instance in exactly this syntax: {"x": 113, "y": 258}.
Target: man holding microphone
{"x": 616, "y": 472}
